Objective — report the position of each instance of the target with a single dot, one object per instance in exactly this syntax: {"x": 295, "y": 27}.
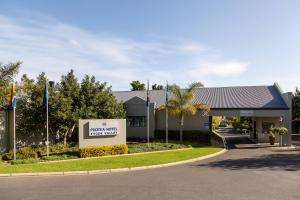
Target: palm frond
{"x": 175, "y": 89}
{"x": 161, "y": 108}
{"x": 189, "y": 109}
{"x": 187, "y": 97}
{"x": 194, "y": 85}
{"x": 202, "y": 106}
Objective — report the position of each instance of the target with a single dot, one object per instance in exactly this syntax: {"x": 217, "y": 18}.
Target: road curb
{"x": 91, "y": 172}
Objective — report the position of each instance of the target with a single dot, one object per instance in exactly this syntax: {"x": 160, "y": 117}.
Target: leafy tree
{"x": 97, "y": 100}
{"x": 31, "y": 115}
{"x": 296, "y": 105}
{"x": 88, "y": 100}
{"x": 181, "y": 104}
{"x": 7, "y": 74}
{"x": 69, "y": 101}
{"x": 296, "y": 110}
{"x": 137, "y": 85}
{"x": 66, "y": 111}
{"x": 157, "y": 87}
{"x": 216, "y": 120}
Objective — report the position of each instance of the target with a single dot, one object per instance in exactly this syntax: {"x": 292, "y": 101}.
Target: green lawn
{"x": 111, "y": 162}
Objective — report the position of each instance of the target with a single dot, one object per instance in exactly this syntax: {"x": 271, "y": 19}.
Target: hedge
{"x": 96, "y": 151}
{"x": 196, "y": 136}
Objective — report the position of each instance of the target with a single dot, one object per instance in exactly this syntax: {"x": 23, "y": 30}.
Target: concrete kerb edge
{"x": 91, "y": 172}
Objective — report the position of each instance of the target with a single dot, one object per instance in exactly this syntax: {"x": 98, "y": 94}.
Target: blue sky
{"x": 220, "y": 43}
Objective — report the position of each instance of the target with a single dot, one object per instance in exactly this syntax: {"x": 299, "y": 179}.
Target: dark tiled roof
{"x": 243, "y": 97}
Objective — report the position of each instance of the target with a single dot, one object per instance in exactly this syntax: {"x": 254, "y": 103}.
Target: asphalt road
{"x": 243, "y": 173}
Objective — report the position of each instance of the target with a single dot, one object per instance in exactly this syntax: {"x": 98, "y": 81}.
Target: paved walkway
{"x": 247, "y": 172}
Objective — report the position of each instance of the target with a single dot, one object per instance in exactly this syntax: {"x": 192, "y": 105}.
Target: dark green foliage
{"x": 69, "y": 101}
{"x": 22, "y": 153}
{"x": 195, "y": 136}
{"x": 57, "y": 152}
{"x": 8, "y": 156}
{"x": 26, "y": 161}
{"x": 137, "y": 85}
{"x": 157, "y": 87}
{"x": 296, "y": 111}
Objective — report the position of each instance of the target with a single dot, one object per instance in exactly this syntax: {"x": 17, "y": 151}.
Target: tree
{"x": 181, "y": 104}
{"x": 137, "y": 85}
{"x": 69, "y": 101}
{"x": 216, "y": 120}
{"x": 66, "y": 115}
{"x": 7, "y": 74}
{"x": 31, "y": 116}
{"x": 97, "y": 101}
{"x": 157, "y": 87}
{"x": 296, "y": 110}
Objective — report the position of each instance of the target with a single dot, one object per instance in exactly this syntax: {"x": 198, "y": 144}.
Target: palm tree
{"x": 181, "y": 103}
{"x": 7, "y": 74}
{"x": 8, "y": 71}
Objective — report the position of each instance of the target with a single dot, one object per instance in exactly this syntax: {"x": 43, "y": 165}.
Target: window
{"x": 136, "y": 121}
{"x": 266, "y": 126}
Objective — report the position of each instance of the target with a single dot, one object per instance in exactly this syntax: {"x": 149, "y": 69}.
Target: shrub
{"x": 8, "y": 156}
{"x": 22, "y": 153}
{"x": 26, "y": 161}
{"x": 26, "y": 153}
{"x": 196, "y": 136}
{"x": 282, "y": 130}
{"x": 96, "y": 151}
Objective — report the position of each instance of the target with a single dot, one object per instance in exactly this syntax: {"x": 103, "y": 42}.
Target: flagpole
{"x": 15, "y": 149}
{"x": 13, "y": 102}
{"x": 47, "y": 131}
{"x": 167, "y": 116}
{"x": 47, "y": 113}
{"x": 148, "y": 112}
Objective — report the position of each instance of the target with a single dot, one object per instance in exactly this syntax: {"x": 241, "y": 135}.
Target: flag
{"x": 13, "y": 96}
{"x": 148, "y": 95}
{"x": 46, "y": 97}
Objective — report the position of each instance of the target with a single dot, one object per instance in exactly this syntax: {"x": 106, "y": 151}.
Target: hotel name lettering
{"x": 102, "y": 131}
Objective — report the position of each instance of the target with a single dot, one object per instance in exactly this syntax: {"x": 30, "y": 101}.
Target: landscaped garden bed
{"x": 27, "y": 155}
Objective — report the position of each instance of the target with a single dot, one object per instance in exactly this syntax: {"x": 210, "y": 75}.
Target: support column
{"x": 210, "y": 123}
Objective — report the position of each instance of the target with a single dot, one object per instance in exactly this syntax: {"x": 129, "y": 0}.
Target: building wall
{"x": 4, "y": 144}
{"x": 264, "y": 137}
{"x": 137, "y": 107}
{"x": 191, "y": 122}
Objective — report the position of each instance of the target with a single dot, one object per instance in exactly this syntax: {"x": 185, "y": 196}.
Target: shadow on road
{"x": 287, "y": 162}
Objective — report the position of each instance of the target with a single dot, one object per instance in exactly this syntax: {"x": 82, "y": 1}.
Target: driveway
{"x": 247, "y": 172}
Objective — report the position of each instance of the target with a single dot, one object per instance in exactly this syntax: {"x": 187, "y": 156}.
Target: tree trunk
{"x": 181, "y": 128}
{"x": 65, "y": 138}
{"x": 67, "y": 133}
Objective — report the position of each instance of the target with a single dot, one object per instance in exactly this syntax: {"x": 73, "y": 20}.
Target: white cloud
{"x": 220, "y": 69}
{"x": 47, "y": 45}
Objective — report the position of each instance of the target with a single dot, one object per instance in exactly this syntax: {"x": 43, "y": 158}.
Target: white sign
{"x": 102, "y": 128}
{"x": 246, "y": 113}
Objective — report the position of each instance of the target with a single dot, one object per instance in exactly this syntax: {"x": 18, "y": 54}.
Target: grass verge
{"x": 111, "y": 162}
